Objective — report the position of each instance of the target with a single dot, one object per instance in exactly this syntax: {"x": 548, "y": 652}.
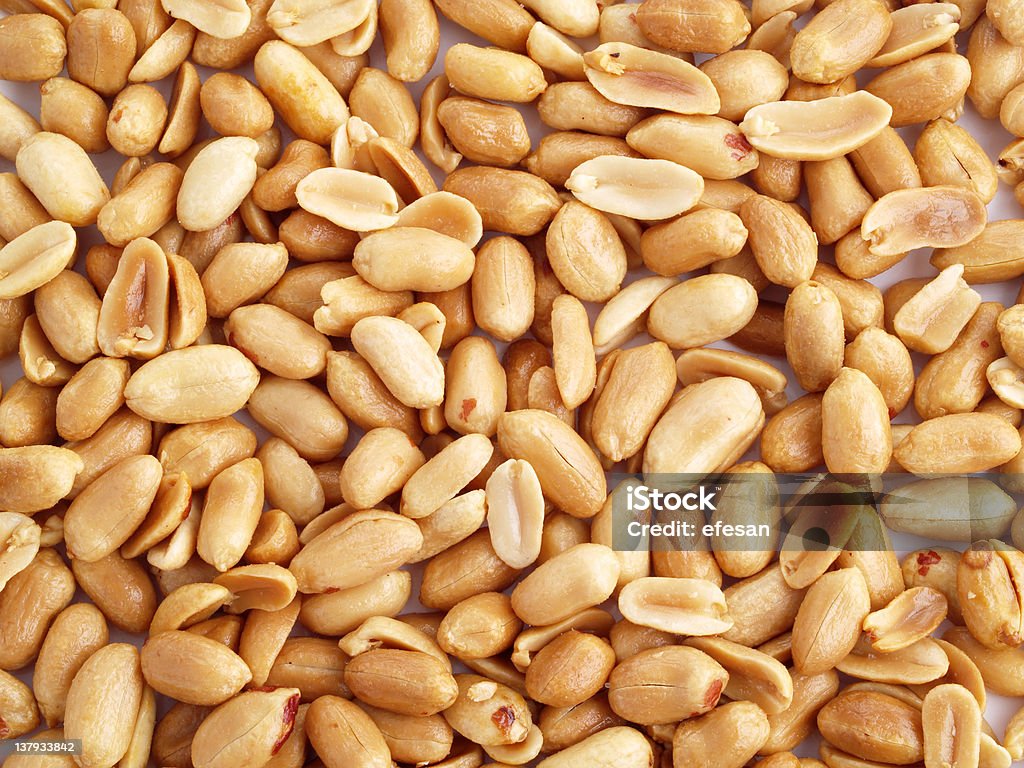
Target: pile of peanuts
{"x": 274, "y": 243}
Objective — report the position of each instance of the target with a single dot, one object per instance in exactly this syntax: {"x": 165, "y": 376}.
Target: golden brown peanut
{"x": 402, "y": 358}
{"x": 221, "y": 20}
{"x": 75, "y": 194}
{"x": 886, "y": 361}
{"x": 140, "y": 209}
{"x": 76, "y": 633}
{"x": 564, "y": 727}
{"x": 702, "y": 310}
{"x": 895, "y": 734}
{"x": 828, "y": 623}
{"x": 509, "y": 201}
{"x": 28, "y": 414}
{"x": 831, "y": 47}
{"x": 101, "y": 49}
{"x": 577, "y": 106}
{"x": 394, "y": 116}
{"x": 278, "y": 341}
{"x": 240, "y": 274}
{"x": 32, "y": 47}
{"x": 275, "y": 539}
{"x": 732, "y": 733}
{"x": 693, "y": 25}
{"x": 940, "y": 81}
{"x": 364, "y": 398}
{"x": 489, "y": 73}
{"x": 314, "y": 666}
{"x": 192, "y": 668}
{"x": 572, "y": 351}
{"x": 838, "y": 202}
{"x": 306, "y": 100}
{"x": 235, "y": 107}
{"x": 165, "y": 54}
{"x": 810, "y": 693}
{"x": 33, "y": 259}
{"x": 951, "y": 723}
{"x": 76, "y": 111}
{"x": 567, "y": 469}
{"x": 814, "y": 335}
{"x": 692, "y": 241}
{"x": 338, "y": 727}
{"x": 989, "y": 599}
{"x": 136, "y": 120}
{"x": 443, "y": 263}
{"x": 18, "y": 711}
{"x": 298, "y": 290}
{"x": 911, "y": 615}
{"x": 31, "y": 599}
{"x": 275, "y": 190}
{"x": 502, "y": 22}
{"x": 184, "y": 113}
{"x": 664, "y": 685}
{"x": 290, "y": 483}
{"x": 855, "y": 425}
{"x": 964, "y": 442}
{"x": 784, "y": 245}
{"x": 778, "y": 178}
{"x": 489, "y": 712}
{"x": 21, "y": 210}
{"x": 207, "y": 382}
{"x": 990, "y": 257}
{"x": 231, "y": 512}
{"x": 39, "y": 360}
{"x": 570, "y": 669}
{"x": 123, "y": 434}
{"x": 203, "y": 450}
{"x": 503, "y": 287}
{"x": 745, "y": 79}
{"x": 301, "y": 414}
{"x": 917, "y": 30}
{"x": 997, "y": 67}
{"x": 585, "y": 252}
{"x": 252, "y": 726}
{"x": 630, "y": 747}
{"x": 103, "y": 704}
{"x": 405, "y": 682}
{"x": 18, "y": 125}
{"x": 939, "y": 391}
{"x": 947, "y": 154}
{"x": 885, "y": 164}
{"x": 133, "y": 320}
{"x": 861, "y": 302}
{"x": 467, "y": 568}
{"x": 840, "y": 124}
{"x": 317, "y": 573}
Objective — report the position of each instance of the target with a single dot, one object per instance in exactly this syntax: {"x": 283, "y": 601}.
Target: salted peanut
{"x": 855, "y": 260}
{"x": 436, "y": 146}
{"x": 231, "y": 512}
{"x": 32, "y": 47}
{"x": 734, "y": 732}
{"x": 74, "y": 195}
{"x": 973, "y": 508}
{"x": 301, "y": 414}
{"x": 556, "y": 52}
{"x": 476, "y": 392}
{"x": 996, "y": 66}
{"x": 314, "y": 666}
{"x": 216, "y": 182}
{"x": 141, "y": 208}
{"x": 939, "y": 390}
{"x": 223, "y": 19}
{"x": 490, "y": 73}
{"x": 831, "y": 47}
{"x": 702, "y": 310}
{"x": 385, "y": 632}
{"x": 443, "y": 263}
{"x": 101, "y": 48}
{"x": 855, "y": 425}
{"x": 665, "y": 685}
{"x": 452, "y": 523}
{"x": 92, "y": 527}
{"x": 18, "y": 126}
{"x": 989, "y": 599}
{"x": 775, "y": 36}
{"x": 559, "y": 153}
{"x": 348, "y": 300}
{"x": 753, "y": 676}
{"x": 1001, "y": 669}
{"x": 202, "y": 450}
{"x": 188, "y": 605}
{"x": 278, "y": 341}
{"x": 570, "y": 669}
{"x": 402, "y": 358}
{"x": 298, "y": 290}
{"x": 76, "y": 111}
{"x": 184, "y": 113}
{"x": 479, "y": 627}
{"x": 438, "y": 480}
{"x": 894, "y": 736}
{"x": 578, "y": 106}
{"x": 886, "y": 362}
{"x": 904, "y": 219}
{"x": 622, "y": 316}
{"x": 502, "y": 22}
{"x": 521, "y": 361}
{"x": 306, "y": 100}
{"x": 783, "y": 243}
{"x": 638, "y": 77}
{"x": 638, "y": 388}
{"x": 951, "y": 721}
{"x": 939, "y": 80}
{"x": 20, "y": 543}
{"x": 1004, "y": 377}
{"x": 192, "y": 668}
{"x": 778, "y": 178}
{"x": 585, "y": 252}
{"x": 1010, "y": 113}
{"x": 400, "y": 166}
{"x": 123, "y": 434}
{"x": 133, "y": 319}
{"x": 637, "y": 188}
{"x": 469, "y": 567}
{"x": 569, "y": 473}
{"x": 190, "y": 385}
{"x": 963, "y": 442}
{"x": 838, "y": 600}
{"x": 515, "y": 513}
{"x": 380, "y": 464}
{"x": 337, "y": 727}
{"x": 175, "y": 555}
{"x": 484, "y": 133}
{"x": 275, "y": 539}
{"x": 910, "y": 616}
{"x": 32, "y": 598}
{"x": 503, "y": 287}
{"x": 861, "y": 302}
{"x": 744, "y": 79}
{"x": 793, "y": 725}
{"x": 702, "y": 407}
{"x": 591, "y": 566}
{"x": 241, "y": 273}
{"x": 990, "y": 257}
{"x": 21, "y": 210}
{"x": 401, "y": 681}
{"x": 235, "y": 107}
{"x": 28, "y": 414}
{"x": 681, "y": 606}
{"x": 317, "y": 570}
{"x": 136, "y": 120}
{"x": 264, "y": 636}
{"x": 564, "y": 727}
{"x": 68, "y": 309}
{"x": 488, "y": 712}
{"x": 947, "y": 155}
{"x": 364, "y": 398}
{"x": 630, "y": 747}
{"x": 509, "y": 201}
{"x": 816, "y": 130}
{"x": 120, "y": 588}
{"x": 713, "y": 147}
{"x": 39, "y": 360}
{"x": 393, "y": 116}
{"x": 350, "y": 199}
{"x": 103, "y": 704}
{"x": 17, "y": 709}
{"x": 917, "y": 30}
{"x": 814, "y": 335}
{"x": 1010, "y": 325}
{"x": 837, "y": 199}
{"x": 885, "y": 164}
{"x": 252, "y": 726}
{"x": 165, "y": 54}
{"x": 309, "y": 24}
{"x": 261, "y": 587}
{"x": 572, "y": 350}
{"x": 693, "y": 25}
